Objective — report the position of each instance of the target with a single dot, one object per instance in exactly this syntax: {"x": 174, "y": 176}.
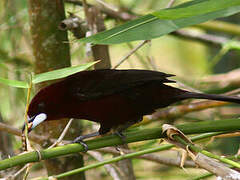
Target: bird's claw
{"x": 79, "y": 140}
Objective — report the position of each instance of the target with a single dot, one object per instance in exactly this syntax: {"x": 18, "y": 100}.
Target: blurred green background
{"x": 190, "y": 61}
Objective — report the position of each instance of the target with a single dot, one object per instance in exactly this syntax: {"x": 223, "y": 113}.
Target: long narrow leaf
{"x": 61, "y": 73}
{"x": 150, "y": 26}
{"x": 195, "y": 8}
{"x": 14, "y": 83}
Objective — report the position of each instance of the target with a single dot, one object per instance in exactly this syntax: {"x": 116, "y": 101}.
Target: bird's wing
{"x": 98, "y": 83}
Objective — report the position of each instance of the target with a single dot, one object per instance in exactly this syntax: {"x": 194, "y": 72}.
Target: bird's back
{"x": 116, "y": 97}
{"x": 97, "y": 83}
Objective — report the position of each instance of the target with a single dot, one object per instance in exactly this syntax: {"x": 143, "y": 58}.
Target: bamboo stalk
{"x": 133, "y": 136}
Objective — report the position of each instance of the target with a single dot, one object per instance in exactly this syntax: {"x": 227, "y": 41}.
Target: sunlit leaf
{"x": 150, "y": 26}
{"x": 195, "y": 8}
{"x": 61, "y": 73}
{"x": 14, "y": 83}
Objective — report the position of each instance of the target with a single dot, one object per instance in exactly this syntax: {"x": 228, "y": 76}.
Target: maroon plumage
{"x": 114, "y": 98}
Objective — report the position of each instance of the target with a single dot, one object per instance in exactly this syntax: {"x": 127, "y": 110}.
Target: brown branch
{"x": 6, "y": 148}
{"x": 17, "y": 132}
{"x": 108, "y": 167}
{"x": 202, "y": 158}
{"x": 130, "y": 53}
{"x": 140, "y": 58}
{"x": 171, "y": 2}
{"x": 60, "y": 138}
{"x": 95, "y": 23}
{"x": 225, "y": 79}
{"x": 201, "y": 37}
{"x": 178, "y": 111}
{"x": 122, "y": 15}
{"x": 75, "y": 24}
{"x": 150, "y": 157}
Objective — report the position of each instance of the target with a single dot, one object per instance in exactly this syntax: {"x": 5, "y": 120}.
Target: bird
{"x": 116, "y": 99}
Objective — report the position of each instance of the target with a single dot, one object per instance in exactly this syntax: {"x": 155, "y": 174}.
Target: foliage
{"x": 47, "y": 76}
{"x": 209, "y": 51}
{"x": 165, "y": 21}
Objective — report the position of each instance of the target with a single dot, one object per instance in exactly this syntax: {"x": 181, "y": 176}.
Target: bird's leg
{"x": 121, "y": 128}
{"x": 123, "y": 139}
{"x": 80, "y": 139}
{"x": 121, "y": 135}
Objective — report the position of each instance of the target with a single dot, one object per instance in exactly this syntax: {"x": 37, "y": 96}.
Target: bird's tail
{"x": 216, "y": 97}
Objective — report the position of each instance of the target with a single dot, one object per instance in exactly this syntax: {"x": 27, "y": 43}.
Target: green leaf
{"x": 149, "y": 26}
{"x": 60, "y": 73}
{"x": 195, "y": 8}
{"x": 14, "y": 83}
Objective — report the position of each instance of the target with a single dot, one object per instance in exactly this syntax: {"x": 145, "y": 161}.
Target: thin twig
{"x": 29, "y": 165}
{"x": 25, "y": 140}
{"x": 225, "y": 79}
{"x": 141, "y": 59}
{"x": 235, "y": 92}
{"x": 202, "y": 37}
{"x": 152, "y": 62}
{"x": 125, "y": 16}
{"x": 188, "y": 87}
{"x": 111, "y": 7}
{"x": 150, "y": 157}
{"x": 108, "y": 167}
{"x": 171, "y": 2}
{"x": 11, "y": 177}
{"x": 203, "y": 158}
{"x": 85, "y": 7}
{"x": 130, "y": 53}
{"x": 62, "y": 134}
{"x": 34, "y": 137}
{"x": 178, "y": 111}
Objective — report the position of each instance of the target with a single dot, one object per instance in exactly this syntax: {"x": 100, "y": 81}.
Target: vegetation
{"x": 197, "y": 40}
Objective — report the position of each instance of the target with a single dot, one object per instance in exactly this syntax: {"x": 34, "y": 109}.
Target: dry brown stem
{"x": 151, "y": 157}
{"x": 225, "y": 79}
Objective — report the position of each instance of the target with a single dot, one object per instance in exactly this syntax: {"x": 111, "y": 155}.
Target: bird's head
{"x": 44, "y": 106}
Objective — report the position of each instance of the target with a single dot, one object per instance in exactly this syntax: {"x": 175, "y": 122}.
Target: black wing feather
{"x": 98, "y": 83}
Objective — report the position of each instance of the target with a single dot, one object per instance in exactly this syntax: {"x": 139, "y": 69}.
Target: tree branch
{"x": 150, "y": 157}
{"x": 11, "y": 130}
{"x": 146, "y": 134}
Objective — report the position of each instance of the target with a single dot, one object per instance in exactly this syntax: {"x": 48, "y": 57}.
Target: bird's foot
{"x": 79, "y": 140}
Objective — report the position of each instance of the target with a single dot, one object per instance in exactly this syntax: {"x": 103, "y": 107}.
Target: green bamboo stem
{"x": 221, "y": 26}
{"x": 127, "y": 156}
{"x": 112, "y": 160}
{"x": 201, "y": 177}
{"x": 133, "y": 136}
{"x": 220, "y": 158}
{"x": 207, "y": 153}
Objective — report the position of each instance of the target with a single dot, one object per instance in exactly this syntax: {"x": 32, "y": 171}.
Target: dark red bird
{"x": 114, "y": 98}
